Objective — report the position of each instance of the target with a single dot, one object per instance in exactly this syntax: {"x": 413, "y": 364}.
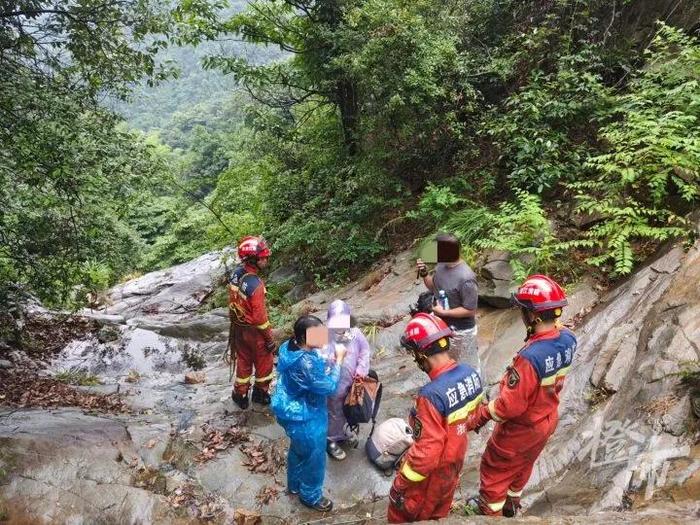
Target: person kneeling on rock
{"x": 305, "y": 380}
{"x": 429, "y": 474}
{"x": 526, "y": 409}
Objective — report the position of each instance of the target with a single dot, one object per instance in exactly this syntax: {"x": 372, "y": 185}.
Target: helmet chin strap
{"x": 530, "y": 327}
{"x": 422, "y": 361}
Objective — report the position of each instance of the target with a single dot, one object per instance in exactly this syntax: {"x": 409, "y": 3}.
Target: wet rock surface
{"x": 149, "y": 465}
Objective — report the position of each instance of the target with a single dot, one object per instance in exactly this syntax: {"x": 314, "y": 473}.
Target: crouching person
{"x": 429, "y": 474}
{"x": 305, "y": 380}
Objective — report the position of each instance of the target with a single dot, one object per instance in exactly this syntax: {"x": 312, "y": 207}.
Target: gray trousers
{"x": 464, "y": 349}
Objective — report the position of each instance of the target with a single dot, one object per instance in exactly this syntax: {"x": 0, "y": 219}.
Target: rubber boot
{"x": 240, "y": 400}
{"x": 260, "y": 396}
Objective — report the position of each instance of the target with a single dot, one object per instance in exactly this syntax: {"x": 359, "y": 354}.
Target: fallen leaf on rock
{"x": 215, "y": 440}
{"x": 201, "y": 506}
{"x": 30, "y": 390}
{"x": 246, "y": 517}
{"x": 263, "y": 457}
{"x": 266, "y": 494}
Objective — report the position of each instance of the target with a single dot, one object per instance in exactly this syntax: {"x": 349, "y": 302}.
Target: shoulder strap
{"x": 377, "y": 401}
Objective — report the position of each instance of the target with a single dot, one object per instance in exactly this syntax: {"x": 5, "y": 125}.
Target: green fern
{"x": 652, "y": 158}
{"x": 520, "y": 227}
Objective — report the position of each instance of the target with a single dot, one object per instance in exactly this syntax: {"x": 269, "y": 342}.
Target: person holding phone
{"x": 457, "y": 281}
{"x": 305, "y": 380}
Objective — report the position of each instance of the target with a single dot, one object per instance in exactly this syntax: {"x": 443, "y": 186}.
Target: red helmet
{"x": 539, "y": 293}
{"x": 422, "y": 331}
{"x": 252, "y": 246}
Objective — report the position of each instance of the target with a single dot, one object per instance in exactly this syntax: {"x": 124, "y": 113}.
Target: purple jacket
{"x": 356, "y": 362}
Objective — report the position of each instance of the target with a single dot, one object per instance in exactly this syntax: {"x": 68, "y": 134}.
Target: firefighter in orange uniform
{"x": 526, "y": 409}
{"x": 425, "y": 484}
{"x": 251, "y": 336}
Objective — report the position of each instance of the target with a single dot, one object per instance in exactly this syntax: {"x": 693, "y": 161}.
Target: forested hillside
{"x": 565, "y": 132}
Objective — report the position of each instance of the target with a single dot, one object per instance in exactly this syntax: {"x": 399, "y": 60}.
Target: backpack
{"x": 362, "y": 402}
{"x": 388, "y": 444}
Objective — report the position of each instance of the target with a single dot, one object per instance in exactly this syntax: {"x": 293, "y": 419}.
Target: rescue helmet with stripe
{"x": 253, "y": 247}
{"x": 426, "y": 334}
{"x": 539, "y": 293}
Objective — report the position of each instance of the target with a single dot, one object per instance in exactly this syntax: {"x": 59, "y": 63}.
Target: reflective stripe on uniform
{"x": 463, "y": 413}
{"x": 263, "y": 326}
{"x": 515, "y": 494}
{"x": 494, "y": 414}
{"x": 243, "y": 379}
{"x": 266, "y": 378}
{"x": 411, "y": 474}
{"x": 547, "y": 381}
{"x": 497, "y": 506}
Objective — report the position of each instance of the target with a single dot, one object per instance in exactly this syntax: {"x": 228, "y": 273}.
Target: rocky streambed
{"x": 180, "y": 452}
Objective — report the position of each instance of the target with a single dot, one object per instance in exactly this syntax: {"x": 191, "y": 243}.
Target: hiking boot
{"x": 512, "y": 506}
{"x": 322, "y": 505}
{"x": 335, "y": 451}
{"x": 260, "y": 396}
{"x": 240, "y": 399}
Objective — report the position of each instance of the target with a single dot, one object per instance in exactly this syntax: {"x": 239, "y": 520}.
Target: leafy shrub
{"x": 520, "y": 227}
{"x": 193, "y": 358}
{"x": 540, "y": 131}
{"x": 98, "y": 275}
{"x": 652, "y": 158}
{"x": 436, "y": 204}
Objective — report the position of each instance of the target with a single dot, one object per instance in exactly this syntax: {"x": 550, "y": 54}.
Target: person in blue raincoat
{"x": 305, "y": 380}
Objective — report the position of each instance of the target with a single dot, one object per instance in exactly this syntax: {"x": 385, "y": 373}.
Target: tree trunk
{"x": 346, "y": 100}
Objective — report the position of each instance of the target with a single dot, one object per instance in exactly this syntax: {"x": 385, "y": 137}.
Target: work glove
{"x": 396, "y": 497}
{"x": 479, "y": 418}
{"x": 270, "y": 346}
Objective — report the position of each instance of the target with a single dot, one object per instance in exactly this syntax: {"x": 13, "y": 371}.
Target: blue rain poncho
{"x": 304, "y": 382}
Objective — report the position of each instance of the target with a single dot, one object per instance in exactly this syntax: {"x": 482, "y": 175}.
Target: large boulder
{"x": 177, "y": 290}
{"x": 495, "y": 279}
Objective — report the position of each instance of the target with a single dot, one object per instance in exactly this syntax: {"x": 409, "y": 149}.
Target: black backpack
{"x": 362, "y": 402}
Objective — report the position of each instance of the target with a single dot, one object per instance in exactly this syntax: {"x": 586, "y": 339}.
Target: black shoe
{"x": 335, "y": 451}
{"x": 322, "y": 505}
{"x": 260, "y": 396}
{"x": 512, "y": 506}
{"x": 241, "y": 401}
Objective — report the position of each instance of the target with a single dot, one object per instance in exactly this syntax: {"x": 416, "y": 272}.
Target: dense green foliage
{"x": 69, "y": 172}
{"x": 560, "y": 131}
{"x": 502, "y": 113}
